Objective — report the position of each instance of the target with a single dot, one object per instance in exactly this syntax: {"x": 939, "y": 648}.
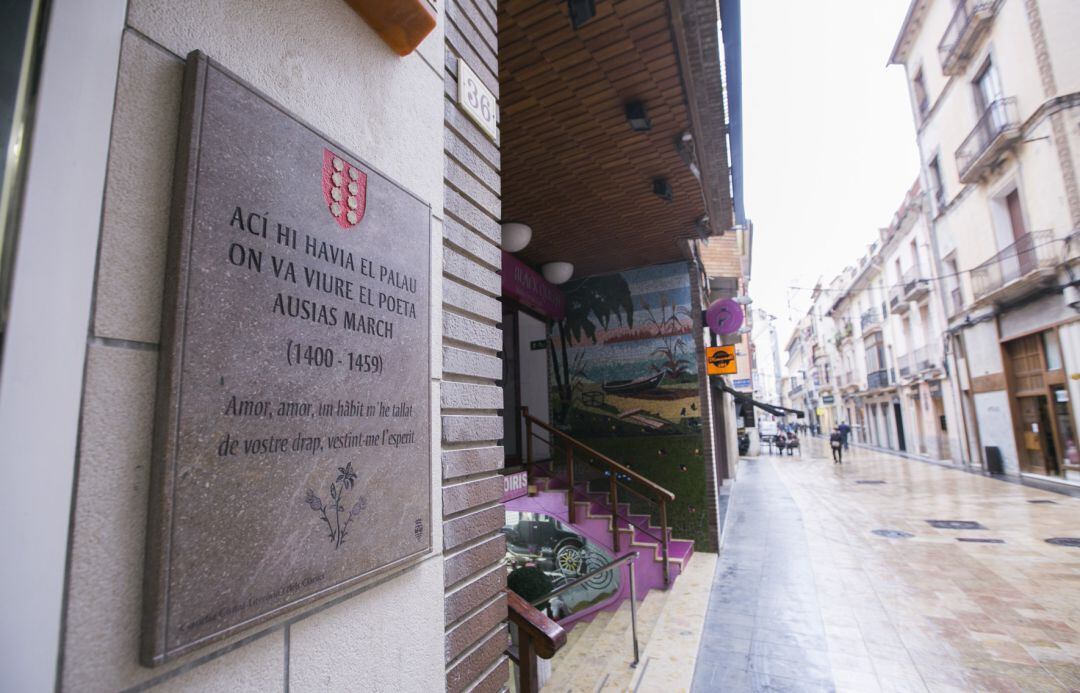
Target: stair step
{"x": 566, "y": 659}
{"x": 648, "y": 615}
{"x": 576, "y": 672}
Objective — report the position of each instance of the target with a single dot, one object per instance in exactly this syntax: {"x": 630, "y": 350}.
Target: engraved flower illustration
{"x": 337, "y": 527}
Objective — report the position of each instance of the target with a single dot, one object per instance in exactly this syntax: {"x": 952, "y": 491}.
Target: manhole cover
{"x": 1043, "y": 502}
{"x": 869, "y": 481}
{"x": 955, "y": 524}
{"x": 893, "y": 533}
{"x": 973, "y": 540}
{"x": 1065, "y": 541}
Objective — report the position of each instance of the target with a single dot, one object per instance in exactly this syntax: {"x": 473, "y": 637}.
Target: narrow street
{"x": 807, "y": 596}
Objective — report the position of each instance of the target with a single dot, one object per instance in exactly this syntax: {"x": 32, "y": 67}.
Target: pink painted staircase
{"x": 594, "y": 519}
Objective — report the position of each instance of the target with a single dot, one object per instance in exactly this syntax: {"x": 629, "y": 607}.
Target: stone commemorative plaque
{"x": 292, "y": 441}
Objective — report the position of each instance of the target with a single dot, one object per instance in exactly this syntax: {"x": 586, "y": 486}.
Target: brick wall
{"x": 472, "y": 339}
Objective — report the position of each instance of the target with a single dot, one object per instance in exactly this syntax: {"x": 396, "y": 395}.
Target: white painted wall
{"x": 995, "y": 426}
{"x": 533, "y": 367}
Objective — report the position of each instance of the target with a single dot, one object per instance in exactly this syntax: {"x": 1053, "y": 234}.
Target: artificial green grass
{"x": 661, "y": 459}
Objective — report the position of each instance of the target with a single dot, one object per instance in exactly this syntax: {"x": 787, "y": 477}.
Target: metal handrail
{"x": 628, "y": 559}
{"x": 615, "y": 511}
{"x": 587, "y": 576}
{"x": 626, "y": 471}
{"x": 598, "y": 459}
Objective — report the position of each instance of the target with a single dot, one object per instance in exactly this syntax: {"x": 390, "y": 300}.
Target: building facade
{"x": 995, "y": 95}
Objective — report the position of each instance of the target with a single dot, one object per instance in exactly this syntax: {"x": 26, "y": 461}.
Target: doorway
{"x": 1037, "y": 455}
{"x": 901, "y": 445}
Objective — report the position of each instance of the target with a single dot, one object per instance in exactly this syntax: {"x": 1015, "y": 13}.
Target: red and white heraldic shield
{"x": 345, "y": 189}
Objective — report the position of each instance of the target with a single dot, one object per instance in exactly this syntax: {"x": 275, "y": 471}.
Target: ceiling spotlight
{"x": 515, "y": 236}
{"x": 662, "y": 189}
{"x": 581, "y": 11}
{"x": 557, "y": 272}
{"x": 636, "y": 116}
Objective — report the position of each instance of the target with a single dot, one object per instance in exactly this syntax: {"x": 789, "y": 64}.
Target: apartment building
{"x": 995, "y": 94}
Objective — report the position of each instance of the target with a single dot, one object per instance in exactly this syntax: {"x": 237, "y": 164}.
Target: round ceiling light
{"x": 515, "y": 236}
{"x": 557, "y": 272}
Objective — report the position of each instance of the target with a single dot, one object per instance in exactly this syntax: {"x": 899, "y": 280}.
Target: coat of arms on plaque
{"x": 345, "y": 189}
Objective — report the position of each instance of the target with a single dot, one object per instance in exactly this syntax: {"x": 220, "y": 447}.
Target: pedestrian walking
{"x": 845, "y": 433}
{"x": 836, "y": 442}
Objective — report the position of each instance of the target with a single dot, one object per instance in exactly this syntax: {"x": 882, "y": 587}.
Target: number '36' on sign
{"x": 477, "y": 100}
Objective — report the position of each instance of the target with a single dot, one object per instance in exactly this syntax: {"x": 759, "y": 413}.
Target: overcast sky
{"x": 829, "y": 141}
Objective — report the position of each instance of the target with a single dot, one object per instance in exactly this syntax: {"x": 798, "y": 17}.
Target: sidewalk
{"x": 807, "y": 597}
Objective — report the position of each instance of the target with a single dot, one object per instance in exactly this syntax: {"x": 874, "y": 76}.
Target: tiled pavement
{"x": 807, "y": 598}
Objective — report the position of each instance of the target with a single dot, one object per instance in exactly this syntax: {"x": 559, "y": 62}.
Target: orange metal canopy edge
{"x": 403, "y": 24}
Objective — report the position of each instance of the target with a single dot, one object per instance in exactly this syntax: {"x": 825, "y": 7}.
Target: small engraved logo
{"x": 418, "y": 530}
{"x": 344, "y": 189}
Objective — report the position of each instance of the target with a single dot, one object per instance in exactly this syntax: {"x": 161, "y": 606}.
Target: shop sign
{"x": 292, "y": 454}
{"x": 515, "y": 485}
{"x": 743, "y": 383}
{"x": 476, "y": 100}
{"x": 538, "y": 345}
{"x": 720, "y": 360}
{"x": 724, "y": 316}
{"x": 525, "y": 285}
{"x": 827, "y": 399}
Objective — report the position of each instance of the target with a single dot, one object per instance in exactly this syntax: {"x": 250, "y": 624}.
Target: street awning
{"x": 774, "y": 409}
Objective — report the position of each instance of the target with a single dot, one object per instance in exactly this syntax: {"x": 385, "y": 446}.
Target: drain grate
{"x": 1065, "y": 541}
{"x": 973, "y": 540}
{"x": 1043, "y": 502}
{"x": 893, "y": 533}
{"x": 869, "y": 481}
{"x": 955, "y": 524}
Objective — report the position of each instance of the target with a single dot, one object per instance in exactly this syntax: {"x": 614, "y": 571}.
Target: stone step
{"x": 577, "y": 670}
{"x": 566, "y": 658}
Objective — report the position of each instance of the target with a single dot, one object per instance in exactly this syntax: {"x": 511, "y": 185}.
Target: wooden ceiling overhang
{"x": 572, "y": 167}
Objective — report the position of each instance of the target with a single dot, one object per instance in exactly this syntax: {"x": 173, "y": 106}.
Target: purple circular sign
{"x": 724, "y": 316}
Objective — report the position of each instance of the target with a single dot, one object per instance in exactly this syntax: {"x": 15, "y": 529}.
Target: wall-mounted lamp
{"x": 557, "y": 272}
{"x": 515, "y": 236}
{"x": 581, "y": 11}
{"x": 662, "y": 189}
{"x": 637, "y": 117}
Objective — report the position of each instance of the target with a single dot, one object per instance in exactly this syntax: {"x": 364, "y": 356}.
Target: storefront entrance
{"x": 1037, "y": 449}
{"x": 1045, "y": 437}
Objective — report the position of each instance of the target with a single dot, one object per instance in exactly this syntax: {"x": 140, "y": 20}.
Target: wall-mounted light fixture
{"x": 581, "y": 11}
{"x": 637, "y": 117}
{"x": 515, "y": 236}
{"x": 662, "y": 189}
{"x": 557, "y": 272}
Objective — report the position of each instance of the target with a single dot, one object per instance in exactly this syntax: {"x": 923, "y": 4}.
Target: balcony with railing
{"x": 927, "y": 359}
{"x": 997, "y": 130}
{"x": 877, "y": 379}
{"x": 969, "y": 23}
{"x": 906, "y": 364}
{"x": 1010, "y": 273}
{"x": 915, "y": 285}
{"x": 870, "y": 321}
{"x": 897, "y": 302}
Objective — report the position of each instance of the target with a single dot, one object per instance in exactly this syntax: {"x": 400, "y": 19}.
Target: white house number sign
{"x": 477, "y": 100}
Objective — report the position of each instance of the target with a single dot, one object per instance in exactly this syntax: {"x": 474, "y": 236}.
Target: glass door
{"x": 511, "y": 382}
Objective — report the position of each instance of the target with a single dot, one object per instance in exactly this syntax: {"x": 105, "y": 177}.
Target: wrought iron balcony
{"x": 926, "y": 359}
{"x": 897, "y": 301}
{"x": 877, "y": 379}
{"x": 997, "y": 130}
{"x": 1030, "y": 259}
{"x": 906, "y": 364}
{"x": 915, "y": 286}
{"x": 870, "y": 320}
{"x": 969, "y": 23}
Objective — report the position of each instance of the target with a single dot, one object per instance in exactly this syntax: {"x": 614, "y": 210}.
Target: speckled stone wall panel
{"x": 135, "y": 221}
{"x": 389, "y": 638}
